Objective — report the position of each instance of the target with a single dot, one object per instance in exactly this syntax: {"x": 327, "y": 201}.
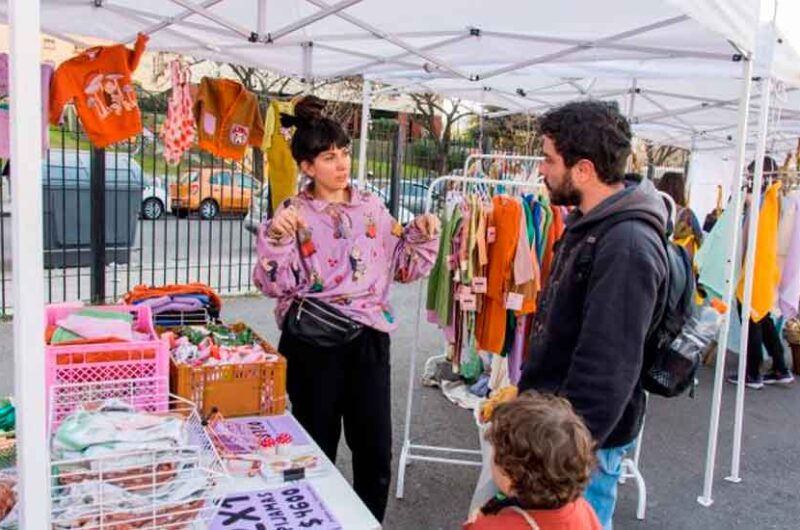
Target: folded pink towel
{"x": 89, "y": 327}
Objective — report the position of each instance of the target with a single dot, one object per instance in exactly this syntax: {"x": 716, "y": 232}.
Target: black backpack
{"x": 665, "y": 371}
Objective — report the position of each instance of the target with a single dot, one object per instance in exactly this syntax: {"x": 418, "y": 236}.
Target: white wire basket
{"x": 168, "y": 478}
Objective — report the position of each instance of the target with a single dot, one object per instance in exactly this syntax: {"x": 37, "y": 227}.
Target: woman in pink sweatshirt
{"x": 329, "y": 256}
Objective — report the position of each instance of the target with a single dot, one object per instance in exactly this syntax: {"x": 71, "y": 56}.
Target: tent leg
{"x": 33, "y": 454}
{"x": 366, "y": 100}
{"x": 719, "y": 369}
{"x": 752, "y": 242}
{"x": 749, "y": 278}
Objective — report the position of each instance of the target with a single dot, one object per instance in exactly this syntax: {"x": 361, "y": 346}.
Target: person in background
{"x": 608, "y": 281}
{"x": 330, "y": 255}
{"x": 542, "y": 460}
{"x": 687, "y": 231}
{"x": 763, "y": 335}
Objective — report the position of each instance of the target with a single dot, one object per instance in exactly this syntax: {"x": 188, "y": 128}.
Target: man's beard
{"x": 565, "y": 194}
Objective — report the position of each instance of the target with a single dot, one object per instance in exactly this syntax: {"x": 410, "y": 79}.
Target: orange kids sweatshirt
{"x": 99, "y": 81}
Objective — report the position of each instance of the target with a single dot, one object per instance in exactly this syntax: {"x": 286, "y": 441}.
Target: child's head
{"x": 543, "y": 452}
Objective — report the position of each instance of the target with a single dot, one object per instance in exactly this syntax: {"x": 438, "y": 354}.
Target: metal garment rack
{"x": 466, "y": 457}
{"x": 410, "y": 450}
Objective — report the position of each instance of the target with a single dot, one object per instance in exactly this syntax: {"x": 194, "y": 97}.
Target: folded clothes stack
{"x": 93, "y": 326}
{"x": 216, "y": 344}
{"x": 171, "y": 304}
{"x": 117, "y": 465}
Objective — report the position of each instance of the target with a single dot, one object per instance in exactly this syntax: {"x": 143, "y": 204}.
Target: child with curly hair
{"x": 543, "y": 456}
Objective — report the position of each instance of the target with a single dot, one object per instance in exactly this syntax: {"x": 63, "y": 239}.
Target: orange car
{"x": 211, "y": 192}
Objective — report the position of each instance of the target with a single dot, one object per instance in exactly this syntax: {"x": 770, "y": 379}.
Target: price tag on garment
{"x": 514, "y": 301}
{"x": 479, "y": 284}
{"x": 491, "y": 234}
{"x": 463, "y": 292}
{"x": 469, "y": 302}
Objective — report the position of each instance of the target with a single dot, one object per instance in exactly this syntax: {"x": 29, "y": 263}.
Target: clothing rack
{"x": 460, "y": 456}
{"x": 410, "y": 450}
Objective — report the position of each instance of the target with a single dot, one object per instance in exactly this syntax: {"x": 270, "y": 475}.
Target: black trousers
{"x": 764, "y": 334}
{"x": 350, "y": 384}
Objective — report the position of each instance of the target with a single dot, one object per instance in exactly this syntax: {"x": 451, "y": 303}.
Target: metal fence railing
{"x": 180, "y": 224}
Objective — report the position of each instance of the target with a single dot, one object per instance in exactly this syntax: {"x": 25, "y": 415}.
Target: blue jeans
{"x": 602, "y": 490}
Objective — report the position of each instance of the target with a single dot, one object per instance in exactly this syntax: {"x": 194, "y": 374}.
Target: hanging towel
{"x": 766, "y": 276}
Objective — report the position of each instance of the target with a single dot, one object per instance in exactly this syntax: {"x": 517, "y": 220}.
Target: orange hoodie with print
{"x": 99, "y": 81}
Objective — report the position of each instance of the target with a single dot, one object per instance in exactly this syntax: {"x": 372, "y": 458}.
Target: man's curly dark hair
{"x": 591, "y": 130}
{"x": 544, "y": 448}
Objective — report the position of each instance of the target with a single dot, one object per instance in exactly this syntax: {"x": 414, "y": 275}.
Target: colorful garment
{"x": 228, "y": 118}
{"x": 347, "y": 255}
{"x": 99, "y": 81}
{"x": 179, "y": 131}
{"x": 281, "y": 168}
{"x": 5, "y": 114}
{"x": 766, "y": 275}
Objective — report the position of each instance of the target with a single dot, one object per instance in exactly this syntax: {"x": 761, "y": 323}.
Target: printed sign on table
{"x": 235, "y": 431}
{"x": 294, "y": 507}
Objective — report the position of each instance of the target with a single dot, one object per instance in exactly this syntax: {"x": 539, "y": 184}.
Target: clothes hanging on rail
{"x": 483, "y": 288}
{"x": 789, "y": 257}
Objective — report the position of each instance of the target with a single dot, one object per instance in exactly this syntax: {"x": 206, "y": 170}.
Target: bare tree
{"x": 428, "y": 107}
{"x": 515, "y": 132}
{"x": 662, "y": 155}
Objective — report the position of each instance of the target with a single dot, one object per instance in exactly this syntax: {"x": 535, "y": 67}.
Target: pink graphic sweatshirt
{"x": 348, "y": 256}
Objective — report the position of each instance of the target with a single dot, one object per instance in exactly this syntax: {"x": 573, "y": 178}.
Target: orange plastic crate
{"x": 253, "y": 389}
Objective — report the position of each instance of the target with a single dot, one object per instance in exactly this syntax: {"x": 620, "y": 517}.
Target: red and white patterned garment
{"x": 179, "y": 132}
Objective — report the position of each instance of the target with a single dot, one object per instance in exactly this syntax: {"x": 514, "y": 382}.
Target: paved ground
{"x": 437, "y": 496}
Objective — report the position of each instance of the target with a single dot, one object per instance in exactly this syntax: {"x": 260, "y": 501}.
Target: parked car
{"x": 155, "y": 199}
{"x": 413, "y": 194}
{"x": 259, "y": 207}
{"x": 211, "y": 192}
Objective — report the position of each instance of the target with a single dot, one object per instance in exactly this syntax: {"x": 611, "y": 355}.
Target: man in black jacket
{"x": 606, "y": 286}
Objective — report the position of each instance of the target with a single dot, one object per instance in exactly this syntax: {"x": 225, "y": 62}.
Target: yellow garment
{"x": 767, "y": 275}
{"x": 279, "y": 165}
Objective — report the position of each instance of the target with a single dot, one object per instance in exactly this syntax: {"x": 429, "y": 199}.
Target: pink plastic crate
{"x": 113, "y": 361}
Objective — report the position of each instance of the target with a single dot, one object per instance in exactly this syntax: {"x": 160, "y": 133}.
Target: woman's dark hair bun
{"x": 306, "y": 111}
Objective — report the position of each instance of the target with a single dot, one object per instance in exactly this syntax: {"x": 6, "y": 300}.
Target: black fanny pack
{"x": 320, "y": 324}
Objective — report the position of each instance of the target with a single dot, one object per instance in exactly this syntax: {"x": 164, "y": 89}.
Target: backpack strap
{"x": 585, "y": 260}
{"x": 527, "y": 516}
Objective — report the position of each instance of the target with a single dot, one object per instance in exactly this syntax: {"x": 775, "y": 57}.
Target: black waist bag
{"x": 320, "y": 324}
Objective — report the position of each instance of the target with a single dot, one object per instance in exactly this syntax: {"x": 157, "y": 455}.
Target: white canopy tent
{"x": 445, "y": 40}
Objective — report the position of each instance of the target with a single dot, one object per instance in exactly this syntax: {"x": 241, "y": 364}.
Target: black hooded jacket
{"x": 588, "y": 336}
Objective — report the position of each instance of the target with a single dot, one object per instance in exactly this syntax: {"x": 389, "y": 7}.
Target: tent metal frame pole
{"x": 393, "y": 59}
{"x": 588, "y": 45}
{"x": 262, "y": 20}
{"x": 548, "y": 39}
{"x": 33, "y": 452}
{"x": 389, "y": 38}
{"x": 366, "y": 101}
{"x": 730, "y": 269}
{"x": 173, "y": 20}
{"x": 361, "y": 55}
{"x": 307, "y": 21}
{"x": 752, "y": 242}
{"x": 407, "y": 453}
{"x": 213, "y": 17}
